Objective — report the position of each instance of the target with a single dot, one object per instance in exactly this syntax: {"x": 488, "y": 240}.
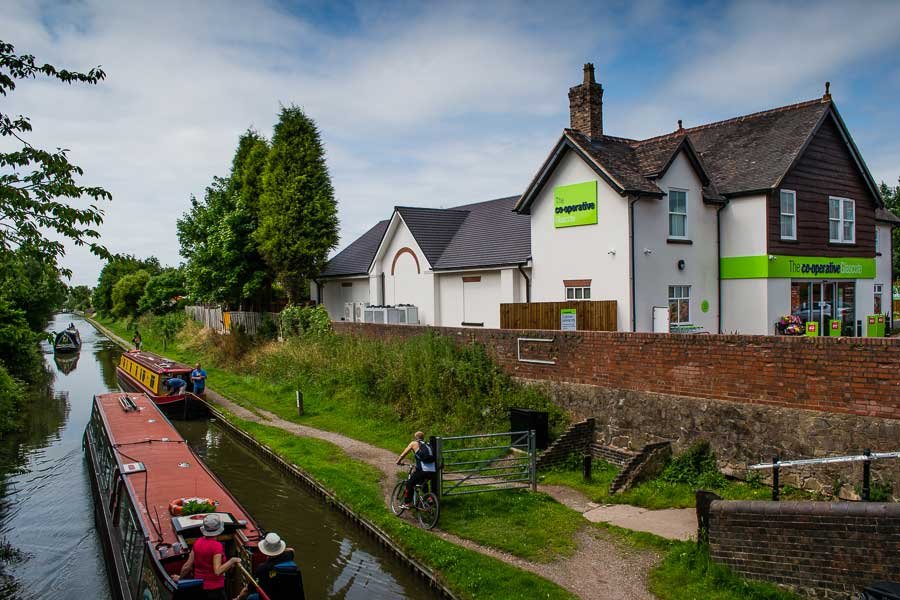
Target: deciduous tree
{"x": 115, "y": 268}
{"x": 127, "y": 292}
{"x": 161, "y": 291}
{"x": 298, "y": 223}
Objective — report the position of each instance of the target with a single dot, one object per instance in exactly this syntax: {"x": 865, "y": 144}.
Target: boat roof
{"x": 171, "y": 470}
{"x": 157, "y": 363}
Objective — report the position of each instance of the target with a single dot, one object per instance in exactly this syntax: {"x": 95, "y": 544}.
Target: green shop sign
{"x": 797, "y": 267}
{"x": 575, "y": 204}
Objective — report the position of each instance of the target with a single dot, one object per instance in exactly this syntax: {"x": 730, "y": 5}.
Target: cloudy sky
{"x": 429, "y": 104}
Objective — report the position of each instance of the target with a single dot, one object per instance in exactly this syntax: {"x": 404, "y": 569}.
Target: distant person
{"x": 175, "y": 385}
{"x": 277, "y": 552}
{"x": 207, "y": 559}
{"x": 136, "y": 340}
{"x": 425, "y": 466}
{"x": 198, "y": 378}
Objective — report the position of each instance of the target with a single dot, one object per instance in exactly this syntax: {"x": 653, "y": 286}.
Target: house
{"x": 722, "y": 227}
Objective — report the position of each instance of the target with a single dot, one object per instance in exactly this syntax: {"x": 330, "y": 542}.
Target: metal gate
{"x": 469, "y": 464}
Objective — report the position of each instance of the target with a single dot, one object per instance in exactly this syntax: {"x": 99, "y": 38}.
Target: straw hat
{"x": 212, "y": 526}
{"x": 272, "y": 545}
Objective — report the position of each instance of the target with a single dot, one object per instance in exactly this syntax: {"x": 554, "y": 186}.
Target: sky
{"x": 421, "y": 104}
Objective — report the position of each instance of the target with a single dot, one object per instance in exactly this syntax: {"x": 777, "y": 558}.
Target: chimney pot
{"x": 680, "y": 126}
{"x": 827, "y": 95}
{"x": 586, "y": 105}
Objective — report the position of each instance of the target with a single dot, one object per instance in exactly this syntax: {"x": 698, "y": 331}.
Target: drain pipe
{"x": 631, "y": 243}
{"x": 318, "y": 291}
{"x": 719, "y": 266}
{"x": 527, "y": 282}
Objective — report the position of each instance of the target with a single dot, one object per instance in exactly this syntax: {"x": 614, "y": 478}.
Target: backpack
{"x": 424, "y": 453}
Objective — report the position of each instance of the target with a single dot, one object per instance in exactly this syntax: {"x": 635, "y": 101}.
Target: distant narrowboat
{"x": 143, "y": 478}
{"x": 67, "y": 340}
{"x": 149, "y": 373}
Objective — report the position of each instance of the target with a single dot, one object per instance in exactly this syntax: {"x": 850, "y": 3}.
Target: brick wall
{"x": 858, "y": 376}
{"x": 576, "y": 439}
{"x": 824, "y": 550}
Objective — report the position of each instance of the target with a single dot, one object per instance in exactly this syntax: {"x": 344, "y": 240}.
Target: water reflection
{"x": 66, "y": 363}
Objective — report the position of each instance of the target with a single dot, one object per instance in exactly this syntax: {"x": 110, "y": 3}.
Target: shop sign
{"x": 796, "y": 267}
{"x": 568, "y": 319}
{"x": 575, "y": 204}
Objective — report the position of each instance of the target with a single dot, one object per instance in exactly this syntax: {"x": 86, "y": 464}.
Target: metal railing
{"x": 469, "y": 464}
{"x": 866, "y": 458}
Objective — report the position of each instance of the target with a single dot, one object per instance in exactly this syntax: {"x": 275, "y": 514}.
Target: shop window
{"x": 841, "y": 220}
{"x": 788, "y": 215}
{"x": 578, "y": 293}
{"x": 677, "y": 213}
{"x": 879, "y": 291}
{"x": 679, "y": 304}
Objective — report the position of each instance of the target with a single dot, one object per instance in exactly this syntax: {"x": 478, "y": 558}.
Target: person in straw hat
{"x": 207, "y": 559}
{"x": 277, "y": 552}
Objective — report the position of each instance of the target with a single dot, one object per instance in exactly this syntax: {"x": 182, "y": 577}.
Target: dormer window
{"x": 788, "y": 215}
{"x": 677, "y": 214}
{"x": 841, "y": 220}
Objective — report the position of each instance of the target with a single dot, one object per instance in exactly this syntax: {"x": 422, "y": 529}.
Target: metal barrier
{"x": 866, "y": 458}
{"x": 469, "y": 464}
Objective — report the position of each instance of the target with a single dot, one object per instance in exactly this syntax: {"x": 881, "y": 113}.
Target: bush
{"x": 695, "y": 467}
{"x": 305, "y": 320}
{"x": 11, "y": 392}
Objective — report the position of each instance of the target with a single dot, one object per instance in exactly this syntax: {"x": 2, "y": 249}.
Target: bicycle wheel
{"x": 429, "y": 510}
{"x": 397, "y": 498}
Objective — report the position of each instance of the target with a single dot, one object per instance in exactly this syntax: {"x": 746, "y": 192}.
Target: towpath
{"x": 602, "y": 567}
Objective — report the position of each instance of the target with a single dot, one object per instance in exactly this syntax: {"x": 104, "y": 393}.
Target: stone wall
{"x": 751, "y": 397}
{"x": 824, "y": 550}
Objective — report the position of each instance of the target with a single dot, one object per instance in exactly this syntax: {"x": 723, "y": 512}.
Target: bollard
{"x": 299, "y": 403}
{"x": 586, "y": 466}
{"x": 867, "y": 475}
{"x": 775, "y": 490}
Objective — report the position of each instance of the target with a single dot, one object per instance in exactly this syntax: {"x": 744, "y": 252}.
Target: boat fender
{"x": 176, "y": 506}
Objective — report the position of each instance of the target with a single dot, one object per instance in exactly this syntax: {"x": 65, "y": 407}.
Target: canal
{"x": 46, "y": 520}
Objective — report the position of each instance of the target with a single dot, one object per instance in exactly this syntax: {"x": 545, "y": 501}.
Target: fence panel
{"x": 590, "y": 315}
{"x": 225, "y": 321}
{"x": 210, "y": 317}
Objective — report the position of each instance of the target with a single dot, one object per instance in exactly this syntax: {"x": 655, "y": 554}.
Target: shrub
{"x": 695, "y": 467}
{"x": 305, "y": 320}
{"x": 10, "y": 401}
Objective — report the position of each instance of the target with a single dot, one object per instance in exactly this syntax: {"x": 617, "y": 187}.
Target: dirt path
{"x": 602, "y": 568}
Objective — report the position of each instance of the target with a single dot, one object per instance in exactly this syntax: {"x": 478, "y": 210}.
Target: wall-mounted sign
{"x": 575, "y": 204}
{"x": 796, "y": 267}
{"x": 568, "y": 319}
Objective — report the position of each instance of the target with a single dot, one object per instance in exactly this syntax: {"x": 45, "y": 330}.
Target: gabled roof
{"x": 745, "y": 154}
{"x": 356, "y": 258}
{"x": 886, "y": 216}
{"x": 491, "y": 235}
{"x": 433, "y": 228}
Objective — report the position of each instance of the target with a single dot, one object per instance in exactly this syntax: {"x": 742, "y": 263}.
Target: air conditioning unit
{"x": 375, "y": 314}
{"x": 348, "y": 312}
{"x": 393, "y": 315}
{"x": 359, "y": 309}
{"x": 409, "y": 314}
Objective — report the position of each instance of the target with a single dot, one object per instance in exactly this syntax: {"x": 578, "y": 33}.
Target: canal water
{"x": 46, "y": 520}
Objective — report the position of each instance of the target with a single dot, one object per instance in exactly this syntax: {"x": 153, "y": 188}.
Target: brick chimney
{"x": 586, "y": 105}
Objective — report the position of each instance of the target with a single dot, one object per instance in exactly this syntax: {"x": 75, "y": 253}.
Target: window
{"x": 677, "y": 213}
{"x": 578, "y": 293}
{"x": 879, "y": 290}
{"x": 788, "y": 215}
{"x": 877, "y": 241}
{"x": 679, "y": 304}
{"x": 841, "y": 220}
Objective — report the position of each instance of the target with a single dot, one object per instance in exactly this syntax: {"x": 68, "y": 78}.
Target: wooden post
{"x": 299, "y": 403}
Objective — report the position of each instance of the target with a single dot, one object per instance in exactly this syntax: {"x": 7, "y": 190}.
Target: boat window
{"x": 153, "y": 382}
{"x": 132, "y": 539}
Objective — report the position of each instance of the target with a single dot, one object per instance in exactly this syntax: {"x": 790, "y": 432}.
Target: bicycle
{"x": 426, "y": 504}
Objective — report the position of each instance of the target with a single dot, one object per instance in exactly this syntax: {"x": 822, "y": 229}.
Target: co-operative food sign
{"x": 575, "y": 204}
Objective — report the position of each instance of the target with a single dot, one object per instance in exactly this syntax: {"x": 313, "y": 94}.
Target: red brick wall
{"x": 841, "y": 375}
{"x": 827, "y": 550}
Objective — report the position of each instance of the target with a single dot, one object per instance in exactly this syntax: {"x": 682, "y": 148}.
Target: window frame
{"x": 584, "y": 289}
{"x": 679, "y": 299}
{"x": 782, "y": 215}
{"x": 669, "y": 214}
{"x": 841, "y": 220}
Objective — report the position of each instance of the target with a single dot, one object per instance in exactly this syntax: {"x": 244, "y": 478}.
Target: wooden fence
{"x": 225, "y": 321}
{"x": 209, "y": 317}
{"x": 590, "y": 315}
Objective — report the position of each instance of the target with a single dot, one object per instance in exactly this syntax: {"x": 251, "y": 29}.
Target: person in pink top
{"x": 207, "y": 559}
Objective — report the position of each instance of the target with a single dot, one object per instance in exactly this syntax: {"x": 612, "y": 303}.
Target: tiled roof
{"x": 618, "y": 158}
{"x": 883, "y": 214}
{"x": 356, "y": 258}
{"x": 433, "y": 228}
{"x": 492, "y": 234}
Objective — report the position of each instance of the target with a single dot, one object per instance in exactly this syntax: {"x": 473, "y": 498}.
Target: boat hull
{"x": 178, "y": 406}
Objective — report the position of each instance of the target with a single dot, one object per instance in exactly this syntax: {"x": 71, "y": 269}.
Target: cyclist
{"x": 425, "y": 466}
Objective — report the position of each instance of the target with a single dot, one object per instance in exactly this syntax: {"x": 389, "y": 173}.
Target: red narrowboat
{"x": 146, "y": 482}
{"x": 140, "y": 371}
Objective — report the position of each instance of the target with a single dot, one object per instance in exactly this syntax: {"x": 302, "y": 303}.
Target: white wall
{"x": 404, "y": 282}
{"x": 582, "y": 252}
{"x": 335, "y": 293}
{"x": 744, "y": 227}
{"x": 656, "y": 271}
{"x": 473, "y": 302}
{"x": 745, "y": 306}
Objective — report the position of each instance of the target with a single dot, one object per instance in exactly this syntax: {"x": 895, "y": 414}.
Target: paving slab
{"x": 671, "y": 523}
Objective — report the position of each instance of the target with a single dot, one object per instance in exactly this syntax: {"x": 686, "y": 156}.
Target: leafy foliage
{"x": 298, "y": 214}
{"x": 695, "y": 467}
{"x": 197, "y": 507}
{"x": 168, "y": 326}
{"x": 38, "y": 188}
{"x": 127, "y": 292}
{"x": 78, "y": 298}
{"x": 31, "y": 285}
{"x": 161, "y": 291}
{"x": 891, "y": 198}
{"x": 11, "y": 392}
{"x": 115, "y": 268}
{"x": 18, "y": 343}
{"x": 305, "y": 320}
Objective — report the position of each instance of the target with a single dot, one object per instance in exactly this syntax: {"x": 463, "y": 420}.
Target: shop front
{"x": 830, "y": 305}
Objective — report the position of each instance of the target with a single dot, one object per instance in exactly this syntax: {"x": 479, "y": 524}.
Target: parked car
{"x": 818, "y": 308}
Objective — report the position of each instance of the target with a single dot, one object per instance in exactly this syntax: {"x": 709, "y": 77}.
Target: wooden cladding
{"x": 590, "y": 315}
{"x": 826, "y": 168}
{"x": 473, "y": 279}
